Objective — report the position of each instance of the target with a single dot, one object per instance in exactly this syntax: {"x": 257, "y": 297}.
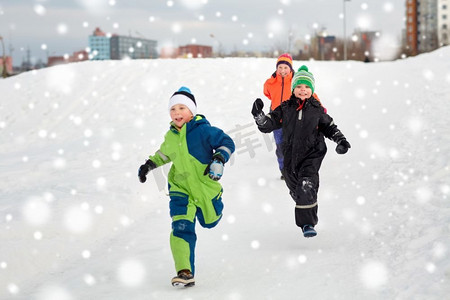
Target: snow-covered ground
{"x": 77, "y": 224}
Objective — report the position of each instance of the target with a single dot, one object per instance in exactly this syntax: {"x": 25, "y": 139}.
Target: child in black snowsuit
{"x": 304, "y": 124}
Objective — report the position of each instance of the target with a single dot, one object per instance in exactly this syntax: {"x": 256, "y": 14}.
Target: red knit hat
{"x": 285, "y": 58}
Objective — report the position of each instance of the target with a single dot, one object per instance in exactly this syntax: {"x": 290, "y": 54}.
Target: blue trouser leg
{"x": 278, "y": 135}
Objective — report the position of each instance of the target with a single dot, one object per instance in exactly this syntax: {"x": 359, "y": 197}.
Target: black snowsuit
{"x": 304, "y": 125}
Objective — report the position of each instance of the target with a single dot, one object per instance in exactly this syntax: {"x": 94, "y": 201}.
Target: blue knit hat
{"x": 184, "y": 96}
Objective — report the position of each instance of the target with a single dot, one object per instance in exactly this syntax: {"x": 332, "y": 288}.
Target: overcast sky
{"x": 57, "y": 27}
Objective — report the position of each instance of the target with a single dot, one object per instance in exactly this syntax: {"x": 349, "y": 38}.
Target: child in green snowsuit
{"x": 198, "y": 152}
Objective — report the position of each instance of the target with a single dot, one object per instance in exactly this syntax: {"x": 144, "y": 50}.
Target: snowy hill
{"x": 77, "y": 224}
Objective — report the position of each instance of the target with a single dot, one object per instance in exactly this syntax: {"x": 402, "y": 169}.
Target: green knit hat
{"x": 302, "y": 76}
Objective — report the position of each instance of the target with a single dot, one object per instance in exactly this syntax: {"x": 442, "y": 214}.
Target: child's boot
{"x": 184, "y": 278}
{"x": 309, "y": 231}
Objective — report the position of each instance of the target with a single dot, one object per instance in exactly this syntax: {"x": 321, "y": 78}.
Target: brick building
{"x": 195, "y": 51}
{"x": 75, "y": 57}
{"x": 7, "y": 63}
{"x": 427, "y": 25}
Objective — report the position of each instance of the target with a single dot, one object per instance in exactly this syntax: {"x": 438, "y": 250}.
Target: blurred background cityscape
{"x": 426, "y": 27}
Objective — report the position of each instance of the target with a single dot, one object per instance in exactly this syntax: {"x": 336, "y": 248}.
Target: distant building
{"x": 135, "y": 48}
{"x": 422, "y": 25}
{"x": 366, "y": 39}
{"x": 59, "y": 60}
{"x": 188, "y": 51}
{"x": 104, "y": 47}
{"x": 444, "y": 22}
{"x": 7, "y": 63}
{"x": 322, "y": 46}
{"x": 100, "y": 45}
{"x": 195, "y": 51}
{"x": 168, "y": 52}
{"x": 56, "y": 60}
{"x": 79, "y": 56}
{"x": 411, "y": 26}
{"x": 428, "y": 24}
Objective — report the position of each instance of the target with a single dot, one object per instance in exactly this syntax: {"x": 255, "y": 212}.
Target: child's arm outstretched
{"x": 153, "y": 162}
{"x": 144, "y": 169}
{"x": 266, "y": 123}
{"x": 331, "y": 131}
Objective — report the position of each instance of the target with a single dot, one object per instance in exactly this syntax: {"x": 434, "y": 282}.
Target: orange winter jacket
{"x": 278, "y": 89}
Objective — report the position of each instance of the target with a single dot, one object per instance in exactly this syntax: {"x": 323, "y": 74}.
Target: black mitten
{"x": 257, "y": 107}
{"x": 258, "y": 113}
{"x": 343, "y": 146}
{"x": 144, "y": 169}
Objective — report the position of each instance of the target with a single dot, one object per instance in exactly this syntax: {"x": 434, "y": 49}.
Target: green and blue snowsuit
{"x": 192, "y": 194}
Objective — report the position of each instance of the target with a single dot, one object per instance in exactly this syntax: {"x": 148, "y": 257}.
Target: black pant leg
{"x": 303, "y": 185}
{"x": 306, "y": 206}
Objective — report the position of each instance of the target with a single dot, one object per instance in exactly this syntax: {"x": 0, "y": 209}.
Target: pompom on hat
{"x": 184, "y": 96}
{"x": 285, "y": 58}
{"x": 302, "y": 76}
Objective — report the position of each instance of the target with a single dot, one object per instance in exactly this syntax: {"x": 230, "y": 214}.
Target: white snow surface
{"x": 76, "y": 223}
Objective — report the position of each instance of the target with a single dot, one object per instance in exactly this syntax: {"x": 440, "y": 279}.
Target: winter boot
{"x": 308, "y": 231}
{"x": 184, "y": 278}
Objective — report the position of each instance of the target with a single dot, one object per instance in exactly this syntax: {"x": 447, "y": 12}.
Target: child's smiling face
{"x": 180, "y": 114}
{"x": 283, "y": 70}
{"x": 302, "y": 91}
